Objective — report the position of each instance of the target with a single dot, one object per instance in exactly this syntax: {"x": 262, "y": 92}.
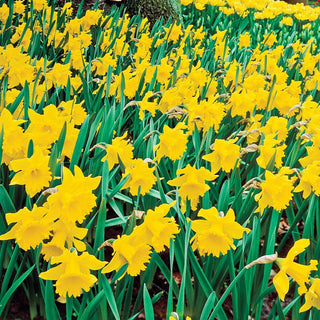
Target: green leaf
{"x": 5, "y": 298}
{"x": 181, "y": 297}
{"x": 208, "y": 307}
{"x": 92, "y": 307}
{"x": 148, "y": 308}
{"x": 80, "y": 143}
{"x": 110, "y": 296}
{"x": 5, "y": 201}
{"x": 13, "y": 263}
{"x": 226, "y": 293}
{"x": 100, "y": 227}
{"x": 51, "y": 309}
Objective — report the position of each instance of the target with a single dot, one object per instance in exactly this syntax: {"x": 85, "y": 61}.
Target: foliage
{"x": 198, "y": 142}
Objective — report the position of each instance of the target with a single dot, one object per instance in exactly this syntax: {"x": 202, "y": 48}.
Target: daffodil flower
{"x": 298, "y": 272}
{"x": 312, "y": 297}
{"x": 73, "y": 273}
{"x": 215, "y": 233}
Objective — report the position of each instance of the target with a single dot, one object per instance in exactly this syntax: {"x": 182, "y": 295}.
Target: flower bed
{"x": 199, "y": 142}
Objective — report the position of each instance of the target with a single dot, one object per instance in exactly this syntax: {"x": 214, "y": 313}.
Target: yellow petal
{"x": 11, "y": 234}
{"x": 297, "y": 248}
{"x": 115, "y": 264}
{"x": 281, "y": 283}
{"x": 91, "y": 261}
{"x": 53, "y": 273}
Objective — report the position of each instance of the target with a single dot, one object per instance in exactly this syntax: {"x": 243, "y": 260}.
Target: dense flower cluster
{"x": 207, "y": 118}
{"x": 134, "y": 249}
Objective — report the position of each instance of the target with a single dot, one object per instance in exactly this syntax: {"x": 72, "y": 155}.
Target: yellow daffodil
{"x": 158, "y": 229}
{"x": 23, "y": 35}
{"x": 312, "y": 296}
{"x": 214, "y": 234}
{"x": 145, "y": 105}
{"x": 275, "y": 128}
{"x": 73, "y": 275}
{"x": 286, "y": 99}
{"x": 119, "y": 148}
{"x": 44, "y": 129}
{"x": 15, "y": 141}
{"x": 244, "y": 40}
{"x": 33, "y": 172}
{"x": 186, "y": 2}
{"x": 16, "y": 65}
{"x": 310, "y": 180}
{"x": 173, "y": 32}
{"x": 90, "y": 18}
{"x": 163, "y": 71}
{"x": 224, "y": 156}
{"x": 276, "y": 190}
{"x": 298, "y": 272}
{"x": 269, "y": 149}
{"x": 40, "y": 5}
{"x": 243, "y": 102}
{"x": 132, "y": 82}
{"x": 18, "y": 7}
{"x": 141, "y": 176}
{"x": 143, "y": 48}
{"x": 205, "y": 115}
{"x": 58, "y": 75}
{"x": 72, "y": 110}
{"x": 132, "y": 250}
{"x": 231, "y": 72}
{"x": 101, "y": 65}
{"x": 192, "y": 184}
{"x": 30, "y": 229}
{"x": 64, "y": 234}
{"x": 269, "y": 39}
{"x": 74, "y": 199}
{"x": 70, "y": 140}
{"x": 173, "y": 143}
{"x": 287, "y": 21}
{"x": 4, "y": 13}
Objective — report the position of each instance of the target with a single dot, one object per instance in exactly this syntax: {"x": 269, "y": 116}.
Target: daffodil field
{"x": 176, "y": 162}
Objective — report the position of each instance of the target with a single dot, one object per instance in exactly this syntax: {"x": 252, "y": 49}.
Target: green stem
{"x": 226, "y": 293}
